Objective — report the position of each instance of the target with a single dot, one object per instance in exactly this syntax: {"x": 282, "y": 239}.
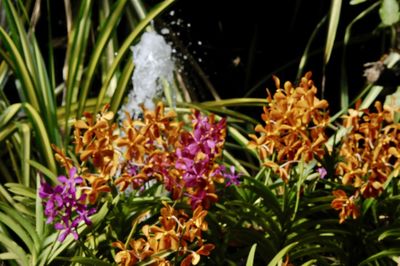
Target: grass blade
{"x": 39, "y": 215}
{"x": 75, "y": 59}
{"x": 21, "y": 70}
{"x": 278, "y": 257}
{"x": 250, "y": 258}
{"x": 18, "y": 230}
{"x": 99, "y": 47}
{"x": 15, "y": 249}
{"x": 42, "y": 136}
{"x": 334, "y": 17}
{"x": 42, "y": 169}
{"x": 123, "y": 80}
{"x": 385, "y": 253}
{"x": 26, "y": 152}
{"x": 9, "y": 113}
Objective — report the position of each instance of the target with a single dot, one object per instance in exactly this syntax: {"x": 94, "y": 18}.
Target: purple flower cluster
{"x": 196, "y": 159}
{"x": 64, "y": 206}
{"x": 232, "y": 177}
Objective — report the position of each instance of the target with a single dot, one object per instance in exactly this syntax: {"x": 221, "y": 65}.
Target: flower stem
{"x": 299, "y": 182}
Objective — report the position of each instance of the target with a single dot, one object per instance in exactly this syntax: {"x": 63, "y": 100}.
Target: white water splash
{"x": 153, "y": 63}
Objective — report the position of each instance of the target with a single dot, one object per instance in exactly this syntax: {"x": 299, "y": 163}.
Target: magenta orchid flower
{"x": 63, "y": 206}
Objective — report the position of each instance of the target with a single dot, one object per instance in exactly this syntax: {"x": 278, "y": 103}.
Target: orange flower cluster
{"x": 94, "y": 142}
{"x": 295, "y": 121}
{"x": 369, "y": 154}
{"x": 175, "y": 232}
{"x": 346, "y": 205}
{"x": 370, "y": 151}
{"x": 159, "y": 148}
{"x": 155, "y": 147}
{"x": 149, "y": 148}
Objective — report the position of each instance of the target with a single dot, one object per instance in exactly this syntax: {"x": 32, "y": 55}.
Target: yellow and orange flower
{"x": 370, "y": 150}
{"x": 346, "y": 205}
{"x": 175, "y": 231}
{"x": 295, "y": 121}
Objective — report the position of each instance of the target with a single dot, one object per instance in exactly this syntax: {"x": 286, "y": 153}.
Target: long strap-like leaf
{"x": 104, "y": 37}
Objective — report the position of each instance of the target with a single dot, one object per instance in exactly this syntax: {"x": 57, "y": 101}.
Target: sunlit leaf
{"x": 250, "y": 258}
{"x": 389, "y": 12}
{"x": 15, "y": 250}
{"x": 104, "y": 36}
{"x": 279, "y": 256}
{"x": 9, "y": 113}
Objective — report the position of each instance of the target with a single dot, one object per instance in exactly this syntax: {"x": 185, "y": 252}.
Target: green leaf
{"x": 7, "y": 131}
{"x": 356, "y": 2}
{"x": 264, "y": 219}
{"x": 11, "y": 223}
{"x": 236, "y": 102}
{"x": 42, "y": 169}
{"x": 38, "y": 89}
{"x": 6, "y": 195}
{"x": 239, "y": 167}
{"x": 105, "y": 32}
{"x": 250, "y": 258}
{"x": 49, "y": 109}
{"x": 344, "y": 90}
{"x": 8, "y": 256}
{"x": 14, "y": 250}
{"x": 21, "y": 189}
{"x": 58, "y": 248}
{"x": 309, "y": 263}
{"x": 42, "y": 136}
{"x": 155, "y": 258}
{"x": 385, "y": 253}
{"x": 242, "y": 140}
{"x": 9, "y": 113}
{"x": 371, "y": 97}
{"x": 318, "y": 250}
{"x": 334, "y": 17}
{"x": 315, "y": 235}
{"x": 99, "y": 215}
{"x": 278, "y": 257}
{"x": 85, "y": 261}
{"x": 390, "y": 233}
{"x": 21, "y": 220}
{"x": 221, "y": 112}
{"x": 75, "y": 59}
{"x": 123, "y": 81}
{"x": 389, "y": 12}
{"x": 26, "y": 152}
{"x": 367, "y": 205}
{"x": 270, "y": 200}
{"x": 21, "y": 70}
{"x": 39, "y": 215}
{"x": 23, "y": 63}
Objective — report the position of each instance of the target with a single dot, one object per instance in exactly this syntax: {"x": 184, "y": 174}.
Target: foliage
{"x": 197, "y": 183}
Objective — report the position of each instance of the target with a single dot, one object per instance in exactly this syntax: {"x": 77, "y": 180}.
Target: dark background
{"x": 269, "y": 38}
{"x": 238, "y": 45}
